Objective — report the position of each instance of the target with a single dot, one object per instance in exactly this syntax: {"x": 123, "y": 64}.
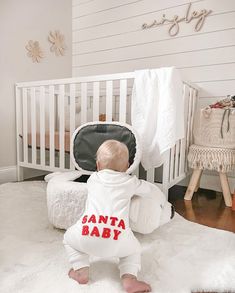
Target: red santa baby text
{"x": 104, "y": 232}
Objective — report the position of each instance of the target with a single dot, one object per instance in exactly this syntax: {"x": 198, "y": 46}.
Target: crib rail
{"x": 47, "y": 113}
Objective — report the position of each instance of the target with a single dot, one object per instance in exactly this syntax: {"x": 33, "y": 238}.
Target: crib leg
{"x": 165, "y": 174}
{"x": 193, "y": 184}
{"x": 20, "y": 173}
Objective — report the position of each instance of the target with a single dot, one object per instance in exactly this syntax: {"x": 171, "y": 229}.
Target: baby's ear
{"x": 97, "y": 166}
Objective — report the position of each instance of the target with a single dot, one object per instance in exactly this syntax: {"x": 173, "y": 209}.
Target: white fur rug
{"x": 180, "y": 257}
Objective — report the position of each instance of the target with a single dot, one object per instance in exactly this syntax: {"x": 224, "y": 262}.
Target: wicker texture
{"x": 215, "y": 128}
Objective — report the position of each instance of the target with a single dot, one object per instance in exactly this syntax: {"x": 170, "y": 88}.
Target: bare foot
{"x": 132, "y": 285}
{"x": 81, "y": 275}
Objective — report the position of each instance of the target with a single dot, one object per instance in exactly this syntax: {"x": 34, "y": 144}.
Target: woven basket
{"x": 215, "y": 128}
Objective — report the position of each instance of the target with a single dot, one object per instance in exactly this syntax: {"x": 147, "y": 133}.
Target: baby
{"x": 104, "y": 229}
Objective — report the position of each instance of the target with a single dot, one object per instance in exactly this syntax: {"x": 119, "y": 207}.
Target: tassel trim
{"x": 218, "y": 159}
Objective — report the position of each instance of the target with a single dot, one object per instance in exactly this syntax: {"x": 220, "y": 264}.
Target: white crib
{"x": 48, "y": 112}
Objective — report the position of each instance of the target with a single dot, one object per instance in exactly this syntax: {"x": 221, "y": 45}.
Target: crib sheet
{"x": 47, "y": 141}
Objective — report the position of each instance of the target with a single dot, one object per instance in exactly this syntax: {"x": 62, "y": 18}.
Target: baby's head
{"x": 113, "y": 155}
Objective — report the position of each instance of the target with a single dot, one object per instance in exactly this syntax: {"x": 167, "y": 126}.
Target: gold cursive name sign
{"x": 189, "y": 16}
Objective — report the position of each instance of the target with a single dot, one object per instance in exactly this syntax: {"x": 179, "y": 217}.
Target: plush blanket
{"x": 179, "y": 257}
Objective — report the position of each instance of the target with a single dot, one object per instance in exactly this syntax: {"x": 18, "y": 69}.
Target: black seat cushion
{"x": 90, "y": 137}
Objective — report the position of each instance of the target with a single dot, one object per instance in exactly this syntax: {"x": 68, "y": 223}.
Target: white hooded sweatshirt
{"x": 104, "y": 229}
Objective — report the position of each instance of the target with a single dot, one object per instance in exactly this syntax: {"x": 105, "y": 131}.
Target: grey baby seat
{"x": 66, "y": 194}
{"x": 87, "y": 139}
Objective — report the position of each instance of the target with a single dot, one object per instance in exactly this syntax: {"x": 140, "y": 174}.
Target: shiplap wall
{"x": 107, "y": 38}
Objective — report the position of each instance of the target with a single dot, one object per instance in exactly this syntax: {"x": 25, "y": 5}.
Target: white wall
{"x": 107, "y": 38}
{"x": 21, "y": 21}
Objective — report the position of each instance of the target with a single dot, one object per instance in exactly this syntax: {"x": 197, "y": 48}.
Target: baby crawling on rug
{"x": 103, "y": 230}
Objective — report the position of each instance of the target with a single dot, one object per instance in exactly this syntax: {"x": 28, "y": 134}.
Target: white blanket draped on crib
{"x": 157, "y": 112}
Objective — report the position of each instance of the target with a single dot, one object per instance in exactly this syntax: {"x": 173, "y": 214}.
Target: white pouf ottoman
{"x": 66, "y": 202}
{"x": 65, "y": 199}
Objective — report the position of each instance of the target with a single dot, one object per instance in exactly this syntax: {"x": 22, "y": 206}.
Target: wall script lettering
{"x": 189, "y": 16}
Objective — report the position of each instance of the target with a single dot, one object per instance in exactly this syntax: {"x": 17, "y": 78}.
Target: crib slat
{"x": 33, "y": 124}
{"x": 19, "y": 131}
{"x": 72, "y": 115}
{"x": 42, "y": 125}
{"x": 61, "y": 125}
{"x": 182, "y": 157}
{"x": 72, "y": 109}
{"x": 109, "y": 100}
{"x": 172, "y": 163}
{"x": 191, "y": 110}
{"x": 25, "y": 124}
{"x": 83, "y": 103}
{"x": 150, "y": 175}
{"x": 176, "y": 171}
{"x": 194, "y": 93}
{"x": 183, "y": 141}
{"x": 123, "y": 100}
{"x": 166, "y": 173}
{"x": 96, "y": 97}
{"x": 191, "y": 115}
{"x": 189, "y": 118}
{"x": 52, "y": 124}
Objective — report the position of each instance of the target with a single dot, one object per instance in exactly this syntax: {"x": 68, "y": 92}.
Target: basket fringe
{"x": 221, "y": 160}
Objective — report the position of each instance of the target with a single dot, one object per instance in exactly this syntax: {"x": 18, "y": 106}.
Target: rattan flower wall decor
{"x": 34, "y": 51}
{"x": 58, "y": 43}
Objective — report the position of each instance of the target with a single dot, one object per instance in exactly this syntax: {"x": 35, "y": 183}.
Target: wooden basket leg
{"x": 198, "y": 183}
{"x": 225, "y": 189}
{"x": 193, "y": 183}
{"x": 189, "y": 211}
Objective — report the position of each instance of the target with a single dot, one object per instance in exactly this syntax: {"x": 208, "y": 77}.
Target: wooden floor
{"x": 206, "y": 208}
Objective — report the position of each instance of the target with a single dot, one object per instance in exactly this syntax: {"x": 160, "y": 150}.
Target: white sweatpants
{"x": 127, "y": 265}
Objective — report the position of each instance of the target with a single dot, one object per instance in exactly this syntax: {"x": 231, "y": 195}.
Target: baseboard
{"x": 32, "y": 173}
{"x": 8, "y": 174}
{"x": 211, "y": 181}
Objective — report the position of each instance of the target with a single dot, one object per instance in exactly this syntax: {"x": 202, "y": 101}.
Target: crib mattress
{"x": 47, "y": 141}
